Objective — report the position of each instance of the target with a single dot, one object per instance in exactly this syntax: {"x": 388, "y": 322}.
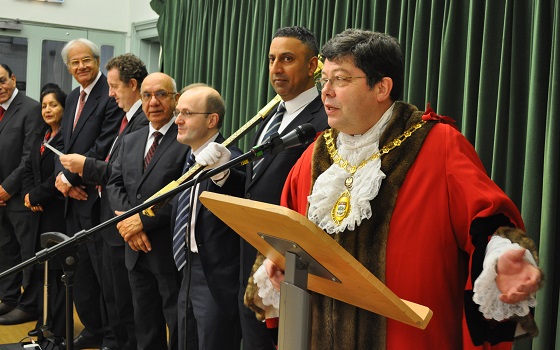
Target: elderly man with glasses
{"x": 148, "y": 159}
{"x": 89, "y": 125}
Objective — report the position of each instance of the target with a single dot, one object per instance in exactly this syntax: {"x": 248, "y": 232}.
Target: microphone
{"x": 301, "y": 135}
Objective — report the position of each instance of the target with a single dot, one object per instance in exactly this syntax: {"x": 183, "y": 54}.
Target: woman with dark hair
{"x": 47, "y": 203}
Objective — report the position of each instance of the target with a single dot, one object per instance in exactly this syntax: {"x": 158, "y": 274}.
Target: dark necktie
{"x": 181, "y": 220}
{"x": 2, "y": 110}
{"x": 273, "y": 127}
{"x": 157, "y": 135}
{"x": 80, "y": 107}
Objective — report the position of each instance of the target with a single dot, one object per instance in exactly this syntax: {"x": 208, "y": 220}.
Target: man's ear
{"x": 313, "y": 62}
{"x": 133, "y": 83}
{"x": 385, "y": 86}
{"x": 213, "y": 120}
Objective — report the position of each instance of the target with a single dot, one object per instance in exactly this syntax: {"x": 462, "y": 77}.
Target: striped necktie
{"x": 182, "y": 218}
{"x": 157, "y": 135}
{"x": 273, "y": 127}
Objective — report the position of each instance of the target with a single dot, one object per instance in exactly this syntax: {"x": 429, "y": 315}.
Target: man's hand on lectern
{"x": 275, "y": 274}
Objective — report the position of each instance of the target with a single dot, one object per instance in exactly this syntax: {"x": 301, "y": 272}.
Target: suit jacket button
{"x": 138, "y": 196}
{"x": 248, "y": 195}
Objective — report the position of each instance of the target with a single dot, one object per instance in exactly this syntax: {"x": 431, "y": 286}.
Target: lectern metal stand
{"x": 295, "y": 309}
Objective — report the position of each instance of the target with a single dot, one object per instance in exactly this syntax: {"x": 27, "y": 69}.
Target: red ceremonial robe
{"x": 428, "y": 247}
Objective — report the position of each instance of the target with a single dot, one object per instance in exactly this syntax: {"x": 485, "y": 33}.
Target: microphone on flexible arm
{"x": 301, "y": 135}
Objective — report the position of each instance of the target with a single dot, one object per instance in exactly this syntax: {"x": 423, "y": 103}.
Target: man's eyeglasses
{"x": 337, "y": 81}
{"x": 188, "y": 114}
{"x": 159, "y": 95}
{"x": 86, "y": 61}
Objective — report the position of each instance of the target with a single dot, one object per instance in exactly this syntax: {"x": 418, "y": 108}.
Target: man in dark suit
{"x": 148, "y": 159}
{"x": 211, "y": 280}
{"x": 125, "y": 75}
{"x": 292, "y": 62}
{"x": 90, "y": 123}
{"x": 20, "y": 116}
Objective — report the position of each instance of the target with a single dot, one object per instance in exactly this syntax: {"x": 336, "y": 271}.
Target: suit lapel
{"x": 305, "y": 116}
{"x": 168, "y": 139}
{"x": 89, "y": 108}
{"x": 11, "y": 111}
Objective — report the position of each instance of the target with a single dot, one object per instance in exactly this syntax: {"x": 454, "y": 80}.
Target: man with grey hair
{"x": 125, "y": 74}
{"x": 89, "y": 125}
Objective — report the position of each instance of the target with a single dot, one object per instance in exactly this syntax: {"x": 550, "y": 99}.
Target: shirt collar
{"x": 88, "y": 88}
{"x": 133, "y": 109}
{"x": 163, "y": 129}
{"x": 301, "y": 100}
{"x": 6, "y": 104}
{"x": 211, "y": 139}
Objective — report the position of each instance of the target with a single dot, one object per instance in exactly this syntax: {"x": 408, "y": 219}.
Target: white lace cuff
{"x": 486, "y": 291}
{"x": 268, "y": 294}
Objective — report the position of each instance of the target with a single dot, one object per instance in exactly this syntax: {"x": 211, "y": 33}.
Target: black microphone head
{"x": 306, "y": 133}
{"x": 301, "y": 135}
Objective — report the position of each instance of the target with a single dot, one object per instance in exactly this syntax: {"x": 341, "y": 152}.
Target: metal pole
{"x": 295, "y": 306}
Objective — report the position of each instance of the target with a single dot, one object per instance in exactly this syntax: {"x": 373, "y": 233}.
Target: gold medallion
{"x": 341, "y": 209}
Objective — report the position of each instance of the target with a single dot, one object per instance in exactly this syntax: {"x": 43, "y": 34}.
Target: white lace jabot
{"x": 330, "y": 185}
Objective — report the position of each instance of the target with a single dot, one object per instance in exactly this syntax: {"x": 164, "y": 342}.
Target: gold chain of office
{"x": 341, "y": 208}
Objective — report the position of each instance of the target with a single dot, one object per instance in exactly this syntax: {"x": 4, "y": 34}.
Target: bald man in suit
{"x": 149, "y": 159}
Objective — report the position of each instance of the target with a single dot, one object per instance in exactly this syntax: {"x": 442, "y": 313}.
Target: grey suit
{"x": 17, "y": 235}
{"x": 153, "y": 277}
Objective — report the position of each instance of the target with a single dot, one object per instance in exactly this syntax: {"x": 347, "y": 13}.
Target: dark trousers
{"x": 214, "y": 331}
{"x": 118, "y": 297}
{"x": 88, "y": 298}
{"x": 254, "y": 332}
{"x": 154, "y": 295}
{"x": 18, "y": 243}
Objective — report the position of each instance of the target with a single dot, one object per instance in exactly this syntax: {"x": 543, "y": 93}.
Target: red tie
{"x": 2, "y": 110}
{"x": 157, "y": 135}
{"x": 124, "y": 123}
{"x": 80, "y": 107}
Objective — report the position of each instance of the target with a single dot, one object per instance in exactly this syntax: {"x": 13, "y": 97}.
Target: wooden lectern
{"x": 295, "y": 244}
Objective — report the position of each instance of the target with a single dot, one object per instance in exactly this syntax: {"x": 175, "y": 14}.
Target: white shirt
{"x": 293, "y": 109}
{"x": 6, "y": 104}
{"x": 162, "y": 130}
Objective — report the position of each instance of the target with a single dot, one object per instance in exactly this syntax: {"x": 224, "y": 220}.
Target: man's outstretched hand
{"x": 517, "y": 278}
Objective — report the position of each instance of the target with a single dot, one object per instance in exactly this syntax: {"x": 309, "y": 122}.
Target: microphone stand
{"x": 66, "y": 246}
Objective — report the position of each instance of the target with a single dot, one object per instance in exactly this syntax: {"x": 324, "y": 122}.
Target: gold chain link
{"x": 344, "y": 164}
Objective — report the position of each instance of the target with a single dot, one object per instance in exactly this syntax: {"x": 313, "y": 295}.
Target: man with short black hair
{"x": 292, "y": 64}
